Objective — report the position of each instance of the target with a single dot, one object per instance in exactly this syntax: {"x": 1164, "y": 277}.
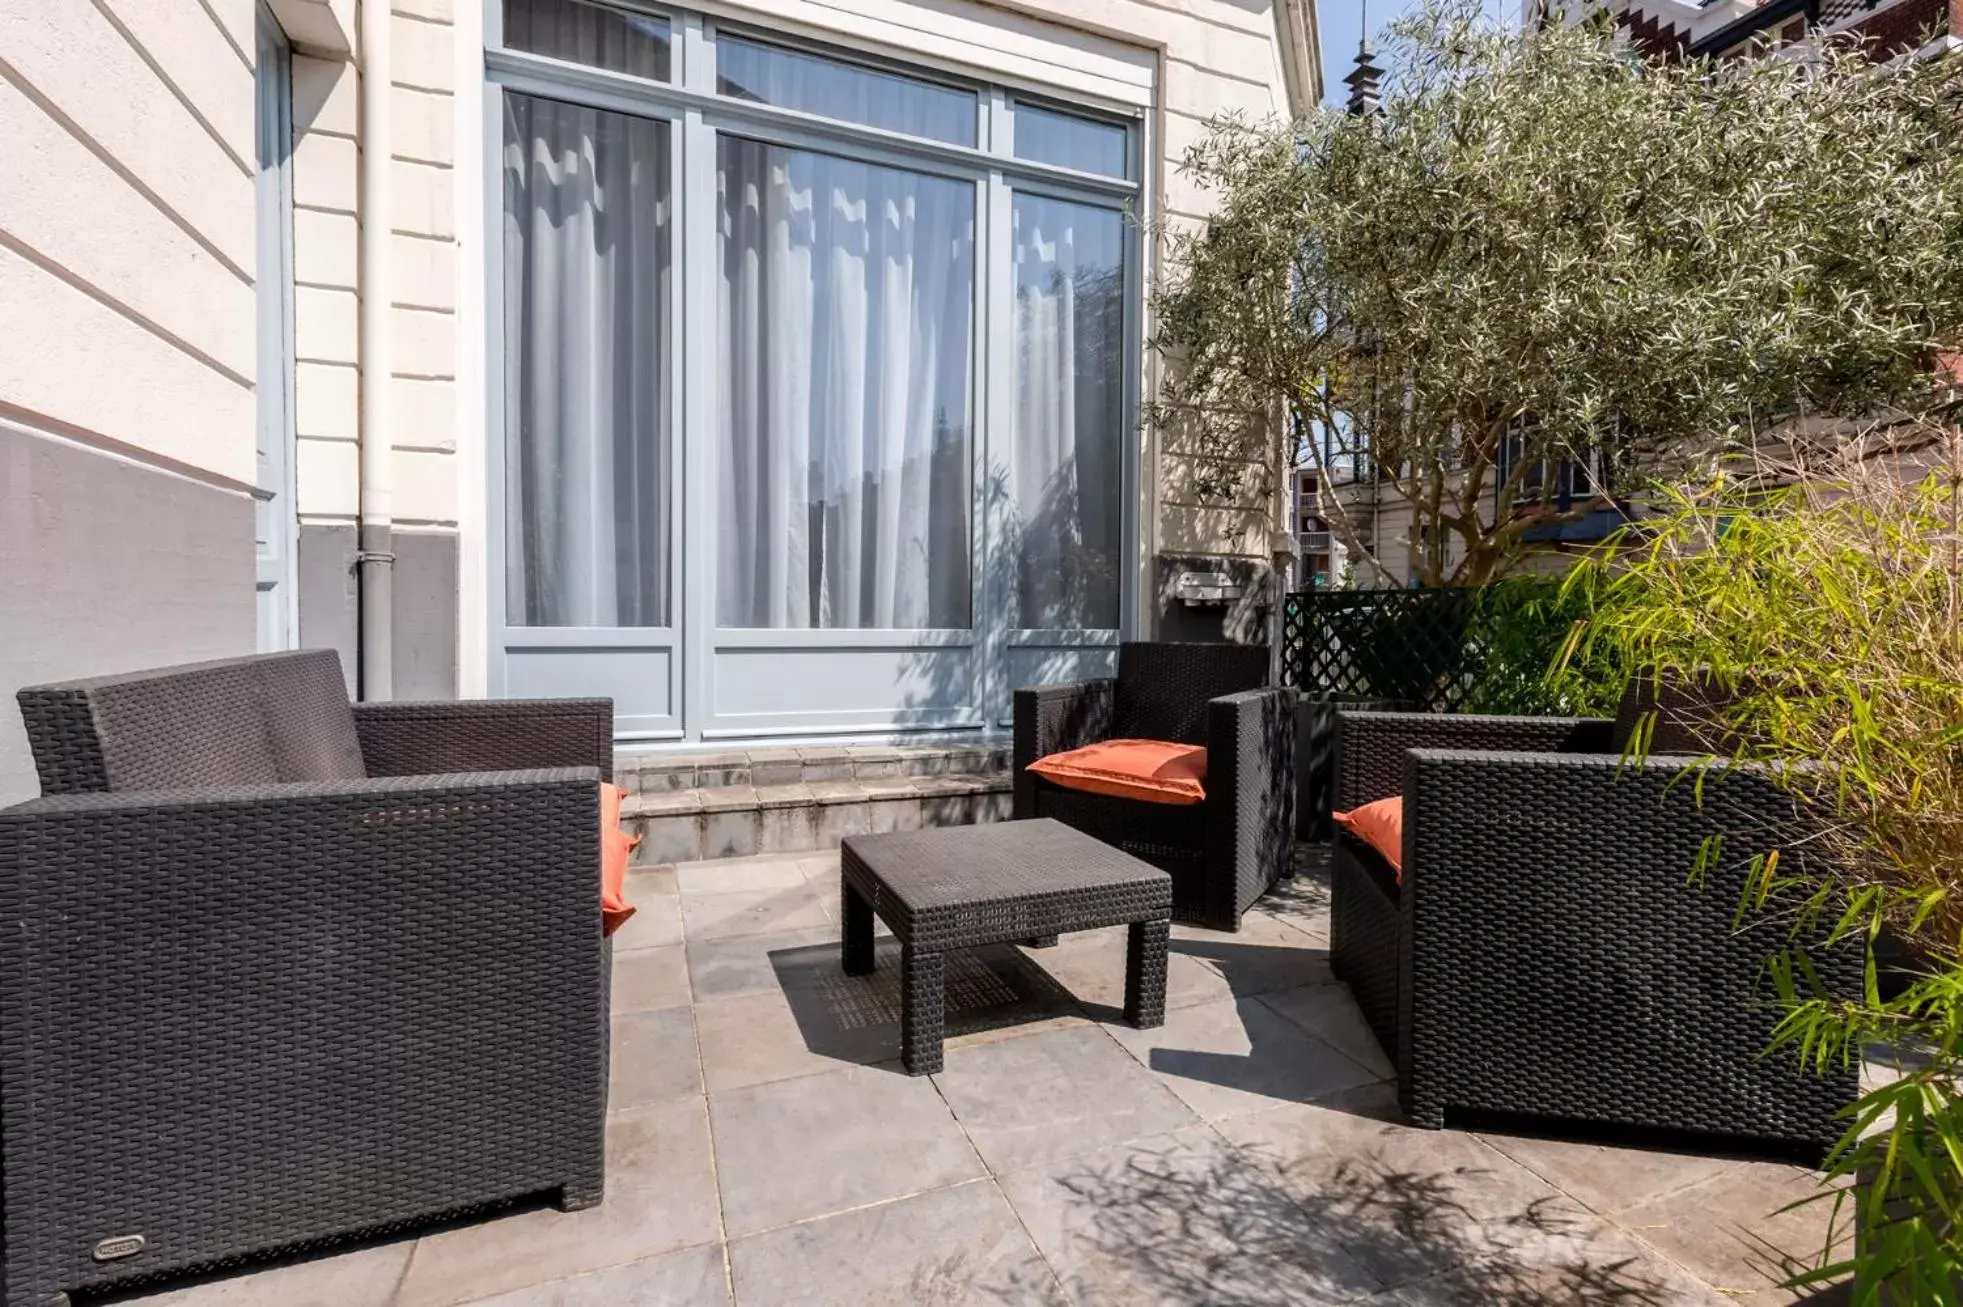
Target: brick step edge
{"x": 741, "y": 820}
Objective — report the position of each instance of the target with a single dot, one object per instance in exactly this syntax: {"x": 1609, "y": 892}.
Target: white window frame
{"x": 696, "y": 113}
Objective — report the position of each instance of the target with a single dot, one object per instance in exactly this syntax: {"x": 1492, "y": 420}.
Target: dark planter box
{"x": 1315, "y": 755}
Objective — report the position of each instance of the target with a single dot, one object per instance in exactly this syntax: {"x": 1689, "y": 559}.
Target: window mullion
{"x": 995, "y": 121}
{"x": 996, "y": 388}
{"x": 697, "y": 71}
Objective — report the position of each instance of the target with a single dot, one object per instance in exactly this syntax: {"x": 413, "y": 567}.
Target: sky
{"x": 1342, "y": 23}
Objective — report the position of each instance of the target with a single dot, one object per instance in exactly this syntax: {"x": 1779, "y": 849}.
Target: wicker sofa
{"x": 1547, "y": 953}
{"x": 283, "y": 969}
{"x": 1222, "y": 853}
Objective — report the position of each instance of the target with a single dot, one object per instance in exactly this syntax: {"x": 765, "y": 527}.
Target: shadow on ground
{"x": 857, "y": 1018}
{"x": 1222, "y": 1225}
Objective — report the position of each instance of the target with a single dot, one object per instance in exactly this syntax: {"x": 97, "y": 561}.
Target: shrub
{"x": 1832, "y": 609}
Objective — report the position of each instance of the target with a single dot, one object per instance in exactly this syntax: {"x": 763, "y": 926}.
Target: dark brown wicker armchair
{"x": 1547, "y": 953}
{"x": 281, "y": 970}
{"x": 1223, "y": 853}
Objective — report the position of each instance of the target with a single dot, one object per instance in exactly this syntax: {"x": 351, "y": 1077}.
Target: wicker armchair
{"x": 1547, "y": 954}
{"x": 282, "y": 970}
{"x": 1222, "y": 853}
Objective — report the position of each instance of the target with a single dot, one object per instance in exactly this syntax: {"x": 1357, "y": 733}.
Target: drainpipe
{"x": 375, "y": 545}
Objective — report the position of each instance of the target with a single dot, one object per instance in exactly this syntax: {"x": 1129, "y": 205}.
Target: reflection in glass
{"x": 587, "y": 381}
{"x": 847, "y": 299}
{"x": 1064, "y": 492}
{"x": 793, "y": 80}
{"x": 617, "y": 40}
{"x": 1072, "y": 142}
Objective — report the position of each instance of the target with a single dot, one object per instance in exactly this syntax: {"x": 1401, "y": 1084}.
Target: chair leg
{"x": 1040, "y": 941}
{"x": 923, "y": 1009}
{"x": 1145, "y": 973}
{"x": 855, "y": 940}
{"x": 1420, "y": 1106}
{"x": 578, "y": 1195}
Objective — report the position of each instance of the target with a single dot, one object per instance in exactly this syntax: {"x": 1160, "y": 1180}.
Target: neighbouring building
{"x": 773, "y": 367}
{"x": 1734, "y": 28}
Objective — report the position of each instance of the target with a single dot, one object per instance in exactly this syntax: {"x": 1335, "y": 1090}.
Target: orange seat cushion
{"x": 1381, "y": 826}
{"x": 615, "y": 847}
{"x": 1153, "y": 771}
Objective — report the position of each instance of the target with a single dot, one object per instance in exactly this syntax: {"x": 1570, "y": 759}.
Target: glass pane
{"x": 791, "y": 80}
{"x": 847, "y": 301}
{"x": 1064, "y": 483}
{"x": 614, "y": 39}
{"x": 1071, "y": 142}
{"x": 587, "y": 366}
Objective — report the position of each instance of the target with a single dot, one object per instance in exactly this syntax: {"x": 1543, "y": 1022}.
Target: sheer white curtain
{"x": 586, "y": 286}
{"x": 846, "y": 304}
{"x": 769, "y": 74}
{"x": 1064, "y": 488}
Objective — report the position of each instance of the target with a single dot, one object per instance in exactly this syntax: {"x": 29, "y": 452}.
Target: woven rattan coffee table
{"x": 967, "y": 886}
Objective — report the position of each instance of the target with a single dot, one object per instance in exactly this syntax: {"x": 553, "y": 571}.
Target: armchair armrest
{"x": 1250, "y": 796}
{"x": 479, "y": 735}
{"x": 1560, "y": 953}
{"x": 1370, "y": 746}
{"x": 1052, "y": 718}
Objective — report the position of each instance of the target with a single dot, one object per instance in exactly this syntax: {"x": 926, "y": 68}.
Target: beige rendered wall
{"x": 127, "y": 227}
{"x": 423, "y": 282}
{"x": 423, "y": 274}
{"x": 128, "y": 354}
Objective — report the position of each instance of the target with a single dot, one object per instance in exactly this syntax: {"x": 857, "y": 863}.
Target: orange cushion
{"x": 1381, "y": 826}
{"x": 615, "y": 846}
{"x": 1150, "y": 770}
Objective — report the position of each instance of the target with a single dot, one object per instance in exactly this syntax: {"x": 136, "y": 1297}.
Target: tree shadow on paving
{"x": 1222, "y": 1224}
{"x": 1304, "y": 890}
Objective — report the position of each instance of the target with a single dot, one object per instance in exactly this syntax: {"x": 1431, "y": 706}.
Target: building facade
{"x": 775, "y": 368}
{"x": 1737, "y": 28}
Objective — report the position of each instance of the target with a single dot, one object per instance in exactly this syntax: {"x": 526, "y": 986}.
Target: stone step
{"x": 793, "y": 800}
{"x": 649, "y": 772}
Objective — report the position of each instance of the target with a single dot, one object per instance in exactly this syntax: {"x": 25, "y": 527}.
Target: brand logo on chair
{"x": 118, "y": 1247}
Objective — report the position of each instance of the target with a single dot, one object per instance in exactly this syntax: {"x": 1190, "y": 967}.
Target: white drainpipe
{"x": 375, "y": 546}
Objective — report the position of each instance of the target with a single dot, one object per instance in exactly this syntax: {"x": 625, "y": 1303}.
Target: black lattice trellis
{"x": 1419, "y": 647}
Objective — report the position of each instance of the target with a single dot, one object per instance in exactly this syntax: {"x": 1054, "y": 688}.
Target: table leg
{"x": 1145, "y": 973}
{"x": 923, "y": 1009}
{"x": 855, "y": 940}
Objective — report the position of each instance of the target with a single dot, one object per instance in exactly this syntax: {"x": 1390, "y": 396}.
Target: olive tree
{"x": 1545, "y": 248}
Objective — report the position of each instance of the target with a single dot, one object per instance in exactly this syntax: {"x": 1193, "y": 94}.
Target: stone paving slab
{"x": 766, "y": 1149}
{"x": 646, "y": 980}
{"x": 661, "y": 1197}
{"x": 963, "y": 1244}
{"x": 812, "y": 1146}
{"x": 1047, "y": 1096}
{"x": 693, "y": 1277}
{"x": 1236, "y": 1056}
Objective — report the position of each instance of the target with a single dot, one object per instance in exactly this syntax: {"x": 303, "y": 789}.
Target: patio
{"x": 763, "y": 1144}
